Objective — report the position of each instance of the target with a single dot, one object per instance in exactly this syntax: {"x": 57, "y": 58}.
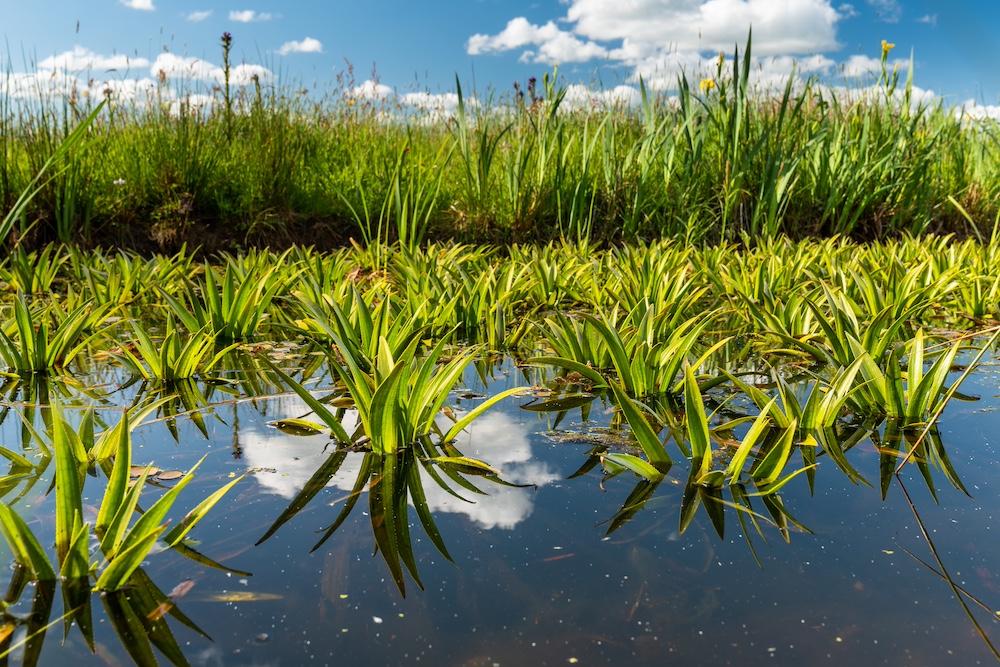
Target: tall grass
{"x": 722, "y": 162}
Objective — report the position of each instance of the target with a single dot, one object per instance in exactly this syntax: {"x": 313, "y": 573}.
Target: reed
{"x": 262, "y": 165}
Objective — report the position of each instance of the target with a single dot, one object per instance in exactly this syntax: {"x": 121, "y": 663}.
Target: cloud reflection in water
{"x": 496, "y": 438}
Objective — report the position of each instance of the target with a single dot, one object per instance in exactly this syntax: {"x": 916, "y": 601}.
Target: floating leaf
{"x": 466, "y": 465}
{"x": 560, "y": 404}
{"x": 297, "y": 426}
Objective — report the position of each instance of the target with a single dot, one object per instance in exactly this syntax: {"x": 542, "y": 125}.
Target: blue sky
{"x": 421, "y": 46}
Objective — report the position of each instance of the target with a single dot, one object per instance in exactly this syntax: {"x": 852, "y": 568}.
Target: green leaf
{"x": 69, "y": 505}
{"x": 316, "y": 483}
{"x": 117, "y": 487}
{"x": 26, "y": 549}
{"x": 776, "y": 486}
{"x": 190, "y": 519}
{"x": 321, "y": 411}
{"x": 465, "y": 464}
{"x": 76, "y": 565}
{"x": 129, "y": 628}
{"x": 460, "y": 425}
{"x": 774, "y": 461}
{"x": 649, "y": 442}
{"x": 297, "y": 426}
{"x": 117, "y": 572}
{"x": 561, "y": 404}
{"x": 697, "y": 423}
{"x": 636, "y": 465}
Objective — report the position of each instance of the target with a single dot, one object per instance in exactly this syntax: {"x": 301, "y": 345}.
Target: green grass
{"x": 727, "y": 163}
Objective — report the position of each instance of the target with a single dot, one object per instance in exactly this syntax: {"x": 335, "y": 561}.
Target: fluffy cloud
{"x": 769, "y": 73}
{"x": 307, "y": 45}
{"x": 249, "y": 16}
{"x": 438, "y": 104}
{"x": 171, "y": 66}
{"x": 859, "y": 66}
{"x": 974, "y": 111}
{"x": 81, "y": 59}
{"x": 584, "y": 97}
{"x": 38, "y": 84}
{"x": 144, "y": 5}
{"x": 929, "y": 19}
{"x": 553, "y": 44}
{"x": 197, "y": 17}
{"x": 660, "y": 40}
{"x": 369, "y": 90}
{"x": 646, "y": 28}
{"x": 495, "y": 438}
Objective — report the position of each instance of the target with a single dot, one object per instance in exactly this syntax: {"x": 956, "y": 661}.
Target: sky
{"x": 415, "y": 50}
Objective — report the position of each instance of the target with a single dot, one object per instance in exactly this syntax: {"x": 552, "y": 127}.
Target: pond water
{"x": 550, "y": 570}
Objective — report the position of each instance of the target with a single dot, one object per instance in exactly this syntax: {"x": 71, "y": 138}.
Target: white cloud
{"x": 661, "y": 38}
{"x": 243, "y": 75}
{"x": 56, "y": 83}
{"x": 307, "y": 45}
{"x": 128, "y": 89}
{"x": 974, "y": 111}
{"x": 369, "y": 90}
{"x": 81, "y": 59}
{"x": 770, "y": 73}
{"x": 584, "y": 97}
{"x": 144, "y": 5}
{"x": 887, "y": 11}
{"x": 169, "y": 65}
{"x": 929, "y": 19}
{"x": 495, "y": 438}
{"x": 436, "y": 106}
{"x": 792, "y": 26}
{"x": 197, "y": 17}
{"x": 859, "y": 66}
{"x": 554, "y": 45}
{"x": 249, "y": 16}
{"x": 191, "y": 104}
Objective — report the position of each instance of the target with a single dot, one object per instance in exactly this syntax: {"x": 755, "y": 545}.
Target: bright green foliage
{"x": 723, "y": 162}
{"x": 911, "y": 397}
{"x": 231, "y": 309}
{"x": 169, "y": 359}
{"x": 124, "y": 546}
{"x": 36, "y": 341}
{"x": 646, "y": 360}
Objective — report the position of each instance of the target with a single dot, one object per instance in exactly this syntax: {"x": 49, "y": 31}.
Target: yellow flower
{"x": 886, "y": 48}
{"x": 706, "y": 85}
{"x": 722, "y": 58}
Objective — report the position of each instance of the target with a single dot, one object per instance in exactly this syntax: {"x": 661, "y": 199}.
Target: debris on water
{"x": 470, "y": 395}
{"x": 235, "y": 596}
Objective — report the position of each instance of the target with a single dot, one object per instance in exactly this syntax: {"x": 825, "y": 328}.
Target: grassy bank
{"x": 712, "y": 161}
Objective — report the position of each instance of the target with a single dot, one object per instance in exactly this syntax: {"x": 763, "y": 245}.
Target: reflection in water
{"x": 600, "y": 573}
{"x": 499, "y": 440}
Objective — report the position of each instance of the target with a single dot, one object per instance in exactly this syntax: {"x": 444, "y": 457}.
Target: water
{"x": 537, "y": 578}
